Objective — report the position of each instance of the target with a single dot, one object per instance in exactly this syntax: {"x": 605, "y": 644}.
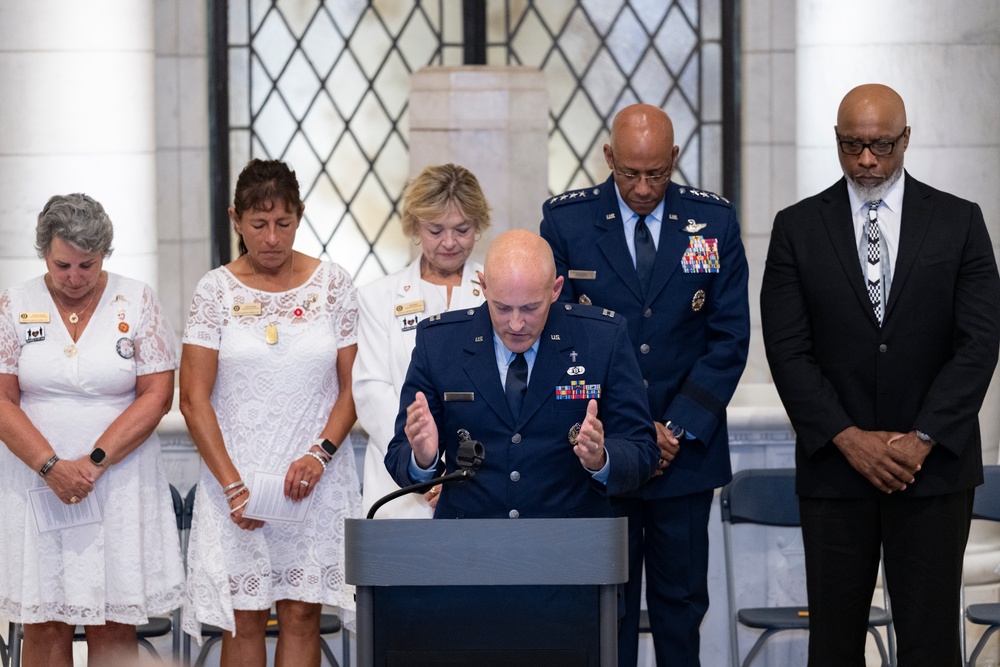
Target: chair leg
{"x": 203, "y": 655}
{"x": 981, "y": 644}
{"x": 758, "y": 645}
{"x": 14, "y": 644}
{"x": 881, "y": 647}
{"x": 325, "y": 648}
{"x": 150, "y": 648}
{"x": 347, "y": 647}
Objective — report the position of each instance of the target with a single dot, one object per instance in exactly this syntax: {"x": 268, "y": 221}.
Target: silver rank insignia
{"x": 574, "y": 432}
{"x": 698, "y": 300}
{"x": 694, "y": 227}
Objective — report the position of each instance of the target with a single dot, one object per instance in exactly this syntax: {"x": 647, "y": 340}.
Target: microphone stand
{"x": 470, "y": 456}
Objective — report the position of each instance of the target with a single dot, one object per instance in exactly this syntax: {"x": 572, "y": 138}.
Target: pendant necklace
{"x": 70, "y": 350}
{"x": 271, "y": 330}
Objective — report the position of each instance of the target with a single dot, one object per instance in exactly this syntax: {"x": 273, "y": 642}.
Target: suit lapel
{"x": 612, "y": 239}
{"x": 673, "y": 240}
{"x": 550, "y": 363}
{"x": 839, "y": 223}
{"x": 914, "y": 222}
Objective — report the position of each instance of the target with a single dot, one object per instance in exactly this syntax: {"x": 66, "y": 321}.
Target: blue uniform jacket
{"x": 690, "y": 334}
{"x": 529, "y": 469}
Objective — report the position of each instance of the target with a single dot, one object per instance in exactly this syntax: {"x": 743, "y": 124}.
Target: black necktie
{"x": 645, "y": 253}
{"x": 873, "y": 270}
{"x": 517, "y": 383}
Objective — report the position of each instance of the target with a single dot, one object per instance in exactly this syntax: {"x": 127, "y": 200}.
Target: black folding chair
{"x": 767, "y": 497}
{"x": 986, "y": 507}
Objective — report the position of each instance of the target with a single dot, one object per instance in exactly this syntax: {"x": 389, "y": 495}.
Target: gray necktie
{"x": 873, "y": 270}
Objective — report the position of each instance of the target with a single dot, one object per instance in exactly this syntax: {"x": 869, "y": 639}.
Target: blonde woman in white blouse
{"x": 444, "y": 212}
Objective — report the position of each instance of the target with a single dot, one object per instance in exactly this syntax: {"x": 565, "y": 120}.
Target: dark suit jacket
{"x": 529, "y": 466}
{"x": 928, "y": 366}
{"x": 690, "y": 334}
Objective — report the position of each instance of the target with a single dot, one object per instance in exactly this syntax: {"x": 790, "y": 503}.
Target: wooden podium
{"x": 487, "y": 592}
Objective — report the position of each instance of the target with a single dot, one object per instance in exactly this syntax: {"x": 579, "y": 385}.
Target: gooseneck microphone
{"x": 468, "y": 459}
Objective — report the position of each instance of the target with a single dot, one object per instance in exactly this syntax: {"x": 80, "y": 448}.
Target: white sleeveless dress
{"x": 272, "y": 402}
{"x": 129, "y": 566}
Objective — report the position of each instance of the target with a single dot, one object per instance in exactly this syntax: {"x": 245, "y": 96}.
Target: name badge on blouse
{"x": 34, "y": 318}
{"x": 252, "y": 308}
{"x": 34, "y": 334}
{"x": 408, "y": 308}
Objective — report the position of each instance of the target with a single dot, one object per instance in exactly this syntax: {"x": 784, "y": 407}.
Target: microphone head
{"x": 470, "y": 454}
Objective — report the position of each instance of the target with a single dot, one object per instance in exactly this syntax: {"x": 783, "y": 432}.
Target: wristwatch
{"x": 328, "y": 447}
{"x": 674, "y": 429}
{"x": 926, "y": 438}
{"x": 99, "y": 457}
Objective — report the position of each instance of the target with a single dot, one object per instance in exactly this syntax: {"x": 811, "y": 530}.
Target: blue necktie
{"x": 645, "y": 254}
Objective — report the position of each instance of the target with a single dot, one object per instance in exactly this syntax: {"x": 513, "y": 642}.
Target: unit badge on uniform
{"x": 574, "y": 432}
{"x": 701, "y": 256}
{"x": 698, "y": 301}
{"x": 694, "y": 227}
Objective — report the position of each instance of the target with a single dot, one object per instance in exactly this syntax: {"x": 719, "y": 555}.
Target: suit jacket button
{"x": 513, "y": 514}
{"x": 515, "y": 476}
{"x": 644, "y": 348}
{"x": 883, "y": 347}
{"x": 648, "y": 313}
{"x": 516, "y": 438}
{"x": 645, "y": 383}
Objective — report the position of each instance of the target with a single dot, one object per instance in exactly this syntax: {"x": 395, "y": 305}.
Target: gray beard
{"x": 875, "y": 192}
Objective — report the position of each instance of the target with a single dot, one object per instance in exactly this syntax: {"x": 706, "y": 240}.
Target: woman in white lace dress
{"x": 87, "y": 363}
{"x": 266, "y": 388}
{"x": 444, "y": 212}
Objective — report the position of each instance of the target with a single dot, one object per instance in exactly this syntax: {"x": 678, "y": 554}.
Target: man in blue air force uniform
{"x": 670, "y": 259}
{"x": 554, "y": 394}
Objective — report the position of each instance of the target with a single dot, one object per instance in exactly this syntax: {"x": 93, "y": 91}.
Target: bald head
{"x": 872, "y": 99}
{"x": 520, "y": 284}
{"x": 642, "y": 145}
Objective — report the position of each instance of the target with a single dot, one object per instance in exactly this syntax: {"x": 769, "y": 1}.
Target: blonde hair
{"x": 428, "y": 197}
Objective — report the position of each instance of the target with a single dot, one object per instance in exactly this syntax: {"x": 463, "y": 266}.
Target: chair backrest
{"x": 987, "y": 503}
{"x": 765, "y": 496}
{"x": 189, "y": 506}
{"x": 175, "y": 496}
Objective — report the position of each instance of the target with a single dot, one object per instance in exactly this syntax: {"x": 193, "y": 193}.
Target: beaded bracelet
{"x": 319, "y": 458}
{"x": 232, "y": 486}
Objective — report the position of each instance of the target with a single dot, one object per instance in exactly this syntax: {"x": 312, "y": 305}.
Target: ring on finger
{"x": 303, "y": 482}
{"x": 74, "y": 500}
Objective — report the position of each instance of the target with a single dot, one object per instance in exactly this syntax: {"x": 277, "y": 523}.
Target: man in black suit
{"x": 881, "y": 315}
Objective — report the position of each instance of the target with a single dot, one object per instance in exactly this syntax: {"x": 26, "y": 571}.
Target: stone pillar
{"x": 76, "y": 115}
{"x": 494, "y": 122}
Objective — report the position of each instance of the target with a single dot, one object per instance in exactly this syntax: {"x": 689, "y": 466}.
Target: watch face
{"x": 98, "y": 456}
{"x": 328, "y": 447}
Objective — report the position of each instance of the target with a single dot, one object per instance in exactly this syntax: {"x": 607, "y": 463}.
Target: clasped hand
{"x": 887, "y": 459}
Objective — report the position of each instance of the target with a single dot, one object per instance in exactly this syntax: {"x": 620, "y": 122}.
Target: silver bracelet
{"x": 319, "y": 458}
{"x": 236, "y": 509}
{"x": 232, "y": 486}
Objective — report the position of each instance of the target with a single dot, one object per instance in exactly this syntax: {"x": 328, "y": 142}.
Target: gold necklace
{"x": 70, "y": 350}
{"x": 271, "y": 330}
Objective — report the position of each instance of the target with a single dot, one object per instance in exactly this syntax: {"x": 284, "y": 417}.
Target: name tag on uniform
{"x": 34, "y": 318}
{"x": 408, "y": 308}
{"x": 240, "y": 309}
{"x": 459, "y": 396}
{"x": 577, "y": 274}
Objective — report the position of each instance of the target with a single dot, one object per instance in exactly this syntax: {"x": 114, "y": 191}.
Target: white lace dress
{"x": 129, "y": 566}
{"x": 272, "y": 402}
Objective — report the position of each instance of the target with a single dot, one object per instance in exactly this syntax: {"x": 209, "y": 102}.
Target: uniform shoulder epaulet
{"x": 703, "y": 196}
{"x": 450, "y": 317}
{"x": 574, "y": 196}
{"x": 591, "y": 312}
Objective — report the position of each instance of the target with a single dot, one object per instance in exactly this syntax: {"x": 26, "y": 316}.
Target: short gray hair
{"x": 76, "y": 219}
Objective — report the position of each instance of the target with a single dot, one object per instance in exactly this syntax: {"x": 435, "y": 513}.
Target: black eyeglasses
{"x": 633, "y": 177}
{"x": 877, "y": 148}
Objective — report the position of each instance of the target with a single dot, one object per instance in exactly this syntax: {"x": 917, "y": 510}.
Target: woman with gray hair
{"x": 88, "y": 534}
